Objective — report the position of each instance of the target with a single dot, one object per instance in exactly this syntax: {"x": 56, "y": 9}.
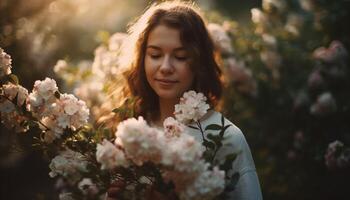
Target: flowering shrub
{"x": 87, "y": 160}
{"x": 287, "y": 87}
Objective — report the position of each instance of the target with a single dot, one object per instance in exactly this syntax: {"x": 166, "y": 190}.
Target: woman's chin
{"x": 169, "y": 95}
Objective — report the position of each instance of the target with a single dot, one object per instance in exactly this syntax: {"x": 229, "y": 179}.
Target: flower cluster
{"x": 93, "y": 81}
{"x": 69, "y": 164}
{"x": 178, "y": 154}
{"x": 235, "y": 70}
{"x": 191, "y": 108}
{"x": 172, "y": 127}
{"x": 110, "y": 156}
{"x": 141, "y": 142}
{"x": 42, "y": 97}
{"x": 335, "y": 53}
{"x": 5, "y": 63}
{"x": 8, "y": 111}
{"x": 56, "y": 111}
{"x": 337, "y": 155}
{"x": 324, "y": 105}
{"x": 221, "y": 39}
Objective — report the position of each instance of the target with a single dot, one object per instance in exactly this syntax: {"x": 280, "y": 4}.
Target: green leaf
{"x": 222, "y": 132}
{"x": 208, "y": 144}
{"x": 216, "y": 139}
{"x": 33, "y": 124}
{"x": 213, "y": 127}
{"x": 227, "y": 165}
{"x": 231, "y": 185}
{"x": 208, "y": 155}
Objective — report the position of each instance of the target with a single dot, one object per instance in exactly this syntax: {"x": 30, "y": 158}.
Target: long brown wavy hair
{"x": 186, "y": 18}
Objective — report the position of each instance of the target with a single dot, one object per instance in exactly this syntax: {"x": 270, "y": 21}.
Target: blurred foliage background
{"x": 287, "y": 84}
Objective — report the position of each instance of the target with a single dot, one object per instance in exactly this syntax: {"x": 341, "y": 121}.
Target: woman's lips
{"x": 166, "y": 82}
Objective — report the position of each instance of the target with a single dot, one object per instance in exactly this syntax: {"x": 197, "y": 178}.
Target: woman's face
{"x": 167, "y": 63}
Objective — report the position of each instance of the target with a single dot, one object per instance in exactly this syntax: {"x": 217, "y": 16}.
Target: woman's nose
{"x": 166, "y": 65}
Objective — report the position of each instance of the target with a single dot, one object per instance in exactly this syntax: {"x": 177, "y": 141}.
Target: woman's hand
{"x": 115, "y": 189}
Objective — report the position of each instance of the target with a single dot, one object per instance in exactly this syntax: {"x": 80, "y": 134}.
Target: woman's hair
{"x": 195, "y": 38}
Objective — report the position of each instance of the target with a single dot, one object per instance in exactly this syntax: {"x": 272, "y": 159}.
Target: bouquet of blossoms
{"x": 87, "y": 160}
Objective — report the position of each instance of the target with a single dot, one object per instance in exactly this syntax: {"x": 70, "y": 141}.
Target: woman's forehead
{"x": 163, "y": 37}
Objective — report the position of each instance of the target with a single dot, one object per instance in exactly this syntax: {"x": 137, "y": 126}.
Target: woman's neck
{"x": 166, "y": 109}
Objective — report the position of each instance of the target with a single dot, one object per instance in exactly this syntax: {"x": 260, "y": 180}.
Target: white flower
{"x": 105, "y": 62}
{"x": 116, "y": 40}
{"x": 69, "y": 103}
{"x": 66, "y": 196}
{"x": 60, "y": 66}
{"x": 91, "y": 92}
{"x": 334, "y": 149}
{"x": 68, "y": 164}
{"x": 140, "y": 142}
{"x": 241, "y": 76}
{"x": 207, "y": 185}
{"x": 294, "y": 24}
{"x": 41, "y": 100}
{"x": 88, "y": 187}
{"x": 336, "y": 52}
{"x": 325, "y": 104}
{"x": 270, "y": 5}
{"x": 110, "y": 156}
{"x": 172, "y": 127}
{"x": 192, "y": 107}
{"x": 269, "y": 40}
{"x": 258, "y": 17}
{"x": 221, "y": 40}
{"x": 11, "y": 90}
{"x": 271, "y": 59}
{"x": 9, "y": 114}
{"x": 46, "y": 88}
{"x": 307, "y": 5}
{"x": 55, "y": 130}
{"x": 183, "y": 153}
{"x": 5, "y": 63}
{"x": 63, "y": 120}
{"x": 74, "y": 112}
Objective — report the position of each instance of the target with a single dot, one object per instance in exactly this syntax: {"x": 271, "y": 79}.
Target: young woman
{"x": 169, "y": 52}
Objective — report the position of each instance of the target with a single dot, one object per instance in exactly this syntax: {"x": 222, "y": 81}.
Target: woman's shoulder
{"x": 234, "y": 142}
{"x": 232, "y": 136}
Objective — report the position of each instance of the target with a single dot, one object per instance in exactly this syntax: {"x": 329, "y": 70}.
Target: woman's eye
{"x": 155, "y": 56}
{"x": 181, "y": 58}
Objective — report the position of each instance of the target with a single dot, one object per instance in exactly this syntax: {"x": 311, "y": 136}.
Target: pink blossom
{"x": 110, "y": 156}
{"x": 335, "y": 52}
{"x": 5, "y": 63}
{"x": 325, "y": 104}
{"x": 173, "y": 128}
{"x": 140, "y": 142}
{"x": 191, "y": 108}
{"x": 221, "y": 39}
